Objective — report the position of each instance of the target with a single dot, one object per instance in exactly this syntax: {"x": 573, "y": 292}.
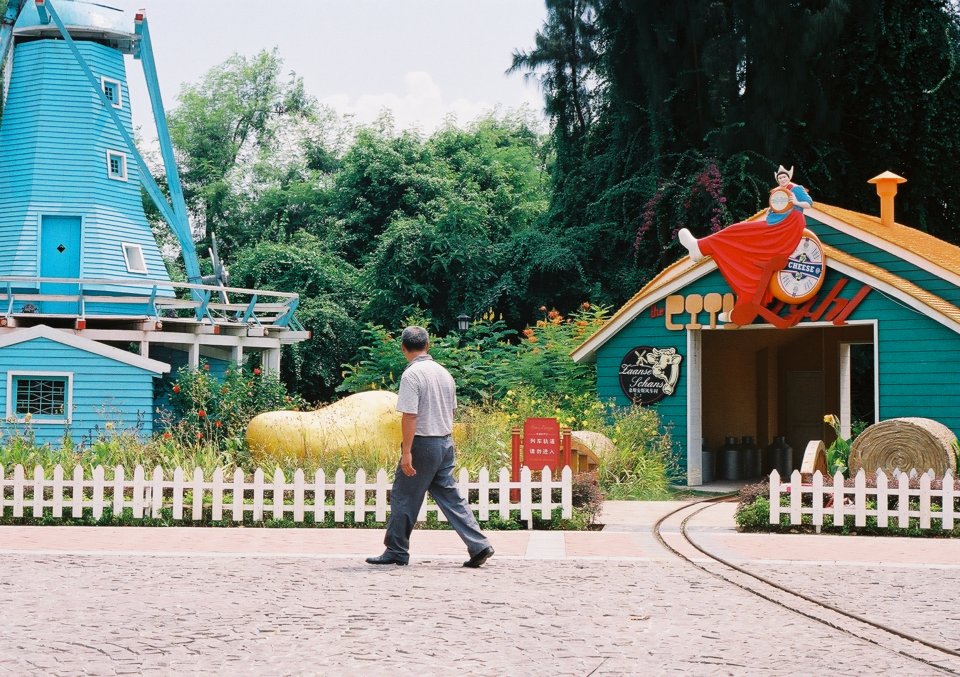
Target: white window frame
{"x": 846, "y": 425}
{"x": 118, "y": 87}
{"x": 126, "y": 247}
{"x": 123, "y": 157}
{"x": 68, "y": 400}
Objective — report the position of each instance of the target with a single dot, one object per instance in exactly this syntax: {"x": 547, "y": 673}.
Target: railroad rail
{"x": 930, "y": 654}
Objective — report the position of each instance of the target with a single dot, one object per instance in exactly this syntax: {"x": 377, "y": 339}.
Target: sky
{"x": 423, "y": 59}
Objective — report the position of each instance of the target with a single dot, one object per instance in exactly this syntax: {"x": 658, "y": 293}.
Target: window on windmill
{"x": 117, "y": 165}
{"x": 133, "y": 257}
{"x": 40, "y": 398}
{"x": 112, "y": 90}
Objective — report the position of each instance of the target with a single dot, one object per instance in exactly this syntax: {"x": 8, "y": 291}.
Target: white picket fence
{"x": 839, "y": 501}
{"x": 228, "y": 499}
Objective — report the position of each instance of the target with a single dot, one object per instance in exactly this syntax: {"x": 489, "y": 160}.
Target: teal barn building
{"x": 89, "y": 316}
{"x": 880, "y": 339}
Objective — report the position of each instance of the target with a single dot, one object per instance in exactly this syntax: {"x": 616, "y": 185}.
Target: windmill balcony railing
{"x": 82, "y": 298}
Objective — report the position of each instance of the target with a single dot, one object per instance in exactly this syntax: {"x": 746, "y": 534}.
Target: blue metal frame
{"x": 170, "y": 213}
{"x": 250, "y": 311}
{"x": 284, "y": 319}
{"x": 14, "y": 7}
{"x": 144, "y": 52}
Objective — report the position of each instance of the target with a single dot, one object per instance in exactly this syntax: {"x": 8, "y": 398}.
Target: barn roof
{"x": 929, "y": 253}
{"x": 68, "y": 339}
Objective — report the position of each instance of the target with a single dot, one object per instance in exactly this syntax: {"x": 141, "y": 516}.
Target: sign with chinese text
{"x": 541, "y": 443}
{"x": 648, "y": 374}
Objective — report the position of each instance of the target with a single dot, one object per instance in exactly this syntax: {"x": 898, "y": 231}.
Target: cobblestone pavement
{"x": 122, "y": 614}
{"x": 277, "y": 602}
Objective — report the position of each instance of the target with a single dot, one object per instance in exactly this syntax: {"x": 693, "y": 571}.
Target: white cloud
{"x": 421, "y": 105}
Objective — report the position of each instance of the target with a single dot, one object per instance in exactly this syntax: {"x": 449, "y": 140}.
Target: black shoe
{"x": 477, "y": 560}
{"x": 386, "y": 559}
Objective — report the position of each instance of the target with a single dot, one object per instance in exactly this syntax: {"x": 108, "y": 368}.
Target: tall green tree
{"x": 223, "y": 125}
{"x": 696, "y": 103}
{"x": 451, "y": 211}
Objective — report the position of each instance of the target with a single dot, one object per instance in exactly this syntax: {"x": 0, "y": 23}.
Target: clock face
{"x": 780, "y": 200}
{"x": 803, "y": 275}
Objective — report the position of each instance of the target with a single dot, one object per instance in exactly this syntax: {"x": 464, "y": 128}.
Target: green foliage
{"x": 754, "y": 516}
{"x": 433, "y": 224}
{"x": 641, "y": 463}
{"x": 229, "y": 115}
{"x": 653, "y": 134}
{"x": 209, "y": 411}
{"x": 542, "y": 360}
{"x": 838, "y": 453}
{"x": 487, "y": 364}
{"x": 331, "y": 299}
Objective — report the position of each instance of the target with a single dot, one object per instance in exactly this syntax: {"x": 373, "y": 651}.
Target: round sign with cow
{"x": 649, "y": 374}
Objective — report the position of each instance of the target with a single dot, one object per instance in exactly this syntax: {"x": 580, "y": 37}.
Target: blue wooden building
{"x": 89, "y": 316}
{"x": 879, "y": 340}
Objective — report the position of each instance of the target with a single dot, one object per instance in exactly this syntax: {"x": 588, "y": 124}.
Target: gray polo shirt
{"x": 429, "y": 391}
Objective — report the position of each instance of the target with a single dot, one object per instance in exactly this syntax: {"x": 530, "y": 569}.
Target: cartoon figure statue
{"x": 750, "y": 252}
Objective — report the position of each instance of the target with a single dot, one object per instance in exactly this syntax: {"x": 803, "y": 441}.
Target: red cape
{"x": 743, "y": 250}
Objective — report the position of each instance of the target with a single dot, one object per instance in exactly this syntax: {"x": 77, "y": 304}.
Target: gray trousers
{"x": 433, "y": 461}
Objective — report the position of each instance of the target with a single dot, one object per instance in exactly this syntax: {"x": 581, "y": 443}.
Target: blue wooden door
{"x": 60, "y": 257}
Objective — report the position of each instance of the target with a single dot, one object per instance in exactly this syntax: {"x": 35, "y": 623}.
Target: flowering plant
{"x": 206, "y": 408}
{"x": 838, "y": 453}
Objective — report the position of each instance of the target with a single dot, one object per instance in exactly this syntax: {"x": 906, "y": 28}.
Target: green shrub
{"x": 206, "y": 410}
{"x": 642, "y": 461}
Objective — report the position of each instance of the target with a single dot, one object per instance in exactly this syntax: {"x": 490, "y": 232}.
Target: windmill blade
{"x": 220, "y": 274}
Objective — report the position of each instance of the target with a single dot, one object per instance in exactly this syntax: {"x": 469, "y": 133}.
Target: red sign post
{"x": 544, "y": 445}
{"x": 541, "y": 443}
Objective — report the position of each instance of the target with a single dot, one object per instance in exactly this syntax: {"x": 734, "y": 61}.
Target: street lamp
{"x": 463, "y": 322}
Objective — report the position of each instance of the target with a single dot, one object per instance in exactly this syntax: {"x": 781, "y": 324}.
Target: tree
{"x": 461, "y": 200}
{"x": 695, "y": 104}
{"x": 232, "y": 115}
{"x": 330, "y": 302}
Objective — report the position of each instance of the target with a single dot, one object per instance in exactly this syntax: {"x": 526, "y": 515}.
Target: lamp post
{"x": 463, "y": 323}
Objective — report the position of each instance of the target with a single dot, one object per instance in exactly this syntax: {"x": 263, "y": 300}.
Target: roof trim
{"x": 917, "y": 298}
{"x": 691, "y": 272}
{"x": 907, "y": 292}
{"x": 80, "y": 343}
{"x": 883, "y": 244}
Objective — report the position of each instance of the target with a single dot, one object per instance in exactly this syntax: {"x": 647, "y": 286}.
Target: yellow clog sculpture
{"x": 367, "y": 420}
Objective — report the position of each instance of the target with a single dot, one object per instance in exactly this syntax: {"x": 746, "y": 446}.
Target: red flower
{"x": 256, "y": 371}
{"x": 218, "y": 424}
{"x": 167, "y": 436}
{"x": 176, "y": 389}
{"x": 199, "y": 436}
{"x": 206, "y": 367}
{"x": 585, "y": 305}
{"x": 201, "y": 413}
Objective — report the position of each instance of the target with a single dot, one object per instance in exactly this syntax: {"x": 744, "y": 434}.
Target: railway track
{"x": 938, "y": 657}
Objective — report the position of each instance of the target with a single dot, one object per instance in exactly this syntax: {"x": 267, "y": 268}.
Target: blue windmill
{"x": 80, "y": 270}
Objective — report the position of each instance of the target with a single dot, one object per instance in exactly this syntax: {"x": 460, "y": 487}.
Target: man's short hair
{"x": 414, "y": 338}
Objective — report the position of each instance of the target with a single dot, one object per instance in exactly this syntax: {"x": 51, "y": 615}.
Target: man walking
{"x": 427, "y": 398}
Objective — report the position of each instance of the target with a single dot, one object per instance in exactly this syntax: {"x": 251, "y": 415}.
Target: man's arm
{"x": 408, "y": 428}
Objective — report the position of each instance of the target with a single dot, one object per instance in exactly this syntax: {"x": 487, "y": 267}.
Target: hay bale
{"x": 905, "y": 444}
{"x": 588, "y": 447}
{"x": 814, "y": 459}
